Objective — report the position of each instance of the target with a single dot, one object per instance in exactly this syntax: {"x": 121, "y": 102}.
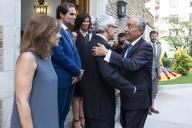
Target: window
{"x": 173, "y": 32}
{"x": 190, "y": 17}
{"x": 173, "y": 3}
{"x": 190, "y": 3}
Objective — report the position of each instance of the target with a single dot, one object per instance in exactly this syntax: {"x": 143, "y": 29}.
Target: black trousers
{"x": 97, "y": 123}
{"x": 133, "y": 118}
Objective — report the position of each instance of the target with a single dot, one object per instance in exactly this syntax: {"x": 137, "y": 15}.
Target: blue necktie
{"x": 128, "y": 49}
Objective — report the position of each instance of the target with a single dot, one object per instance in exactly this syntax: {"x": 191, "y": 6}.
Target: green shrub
{"x": 182, "y": 62}
{"x": 166, "y": 61}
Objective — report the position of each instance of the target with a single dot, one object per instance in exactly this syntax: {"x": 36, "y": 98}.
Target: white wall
{"x": 10, "y": 19}
{"x": 27, "y": 9}
{"x": 13, "y": 18}
{"x": 98, "y": 7}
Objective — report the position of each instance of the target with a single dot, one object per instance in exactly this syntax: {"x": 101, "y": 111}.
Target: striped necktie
{"x": 128, "y": 49}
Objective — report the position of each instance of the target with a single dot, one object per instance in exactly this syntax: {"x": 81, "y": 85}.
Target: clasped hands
{"x": 76, "y": 79}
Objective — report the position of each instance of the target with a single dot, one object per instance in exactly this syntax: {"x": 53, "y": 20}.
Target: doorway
{"x": 82, "y": 5}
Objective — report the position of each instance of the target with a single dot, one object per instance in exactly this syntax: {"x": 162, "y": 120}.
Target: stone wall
{"x": 134, "y": 8}
{"x": 1, "y": 67}
{"x": 10, "y": 20}
{"x": 1, "y": 114}
{"x": 1, "y": 48}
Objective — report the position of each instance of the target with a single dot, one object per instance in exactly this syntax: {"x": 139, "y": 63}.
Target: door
{"x": 82, "y": 5}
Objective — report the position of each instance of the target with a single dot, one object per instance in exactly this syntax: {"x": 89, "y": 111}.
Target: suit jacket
{"x": 156, "y": 61}
{"x": 100, "y": 80}
{"x": 66, "y": 60}
{"x": 136, "y": 67}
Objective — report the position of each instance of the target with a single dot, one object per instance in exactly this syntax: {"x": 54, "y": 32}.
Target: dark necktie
{"x": 128, "y": 50}
{"x": 87, "y": 37}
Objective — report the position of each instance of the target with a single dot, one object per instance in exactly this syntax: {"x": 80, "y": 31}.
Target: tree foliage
{"x": 180, "y": 33}
{"x": 182, "y": 62}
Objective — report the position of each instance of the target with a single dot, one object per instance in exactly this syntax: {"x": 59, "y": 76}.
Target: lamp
{"x": 40, "y": 8}
{"x": 121, "y": 5}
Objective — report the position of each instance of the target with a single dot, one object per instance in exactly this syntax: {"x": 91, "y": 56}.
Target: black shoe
{"x": 152, "y": 109}
{"x": 149, "y": 112}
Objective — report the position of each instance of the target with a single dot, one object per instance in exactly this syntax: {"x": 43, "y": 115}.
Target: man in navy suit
{"x": 66, "y": 60}
{"x": 136, "y": 65}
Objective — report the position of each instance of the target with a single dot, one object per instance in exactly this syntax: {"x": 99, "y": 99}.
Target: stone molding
{"x": 1, "y": 48}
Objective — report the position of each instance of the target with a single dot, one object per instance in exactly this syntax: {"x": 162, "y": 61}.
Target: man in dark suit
{"x": 101, "y": 78}
{"x": 136, "y": 65}
{"x": 66, "y": 60}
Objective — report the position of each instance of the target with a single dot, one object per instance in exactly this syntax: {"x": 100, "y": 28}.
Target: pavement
{"x": 175, "y": 106}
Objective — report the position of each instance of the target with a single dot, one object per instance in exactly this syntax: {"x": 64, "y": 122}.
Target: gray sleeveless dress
{"x": 43, "y": 99}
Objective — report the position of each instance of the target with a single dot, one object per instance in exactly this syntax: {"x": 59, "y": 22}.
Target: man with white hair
{"x": 135, "y": 64}
{"x": 101, "y": 78}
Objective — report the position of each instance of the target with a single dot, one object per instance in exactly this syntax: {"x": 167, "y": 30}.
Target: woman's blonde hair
{"x": 36, "y": 35}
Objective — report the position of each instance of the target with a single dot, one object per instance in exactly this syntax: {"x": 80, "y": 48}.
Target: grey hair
{"x": 141, "y": 24}
{"x": 103, "y": 22}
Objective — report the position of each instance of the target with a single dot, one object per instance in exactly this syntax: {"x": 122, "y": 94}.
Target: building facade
{"x": 14, "y": 16}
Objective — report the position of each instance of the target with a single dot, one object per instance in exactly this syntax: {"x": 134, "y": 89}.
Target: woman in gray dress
{"x": 35, "y": 103}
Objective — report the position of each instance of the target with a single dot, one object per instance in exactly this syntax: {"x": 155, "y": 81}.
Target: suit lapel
{"x": 135, "y": 47}
{"x": 64, "y": 33}
{"x": 124, "y": 49}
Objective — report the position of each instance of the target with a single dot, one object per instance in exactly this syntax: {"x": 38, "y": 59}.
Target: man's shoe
{"x": 149, "y": 112}
{"x": 152, "y": 109}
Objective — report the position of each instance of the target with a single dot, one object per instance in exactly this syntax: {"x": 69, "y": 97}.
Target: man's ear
{"x": 141, "y": 31}
{"x": 108, "y": 29}
{"x": 61, "y": 15}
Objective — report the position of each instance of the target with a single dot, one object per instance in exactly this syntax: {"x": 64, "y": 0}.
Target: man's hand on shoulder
{"x": 99, "y": 50}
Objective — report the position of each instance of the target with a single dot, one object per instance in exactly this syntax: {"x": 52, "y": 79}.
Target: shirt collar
{"x": 64, "y": 26}
{"x": 102, "y": 37}
{"x": 84, "y": 33}
{"x": 152, "y": 43}
{"x": 135, "y": 41}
